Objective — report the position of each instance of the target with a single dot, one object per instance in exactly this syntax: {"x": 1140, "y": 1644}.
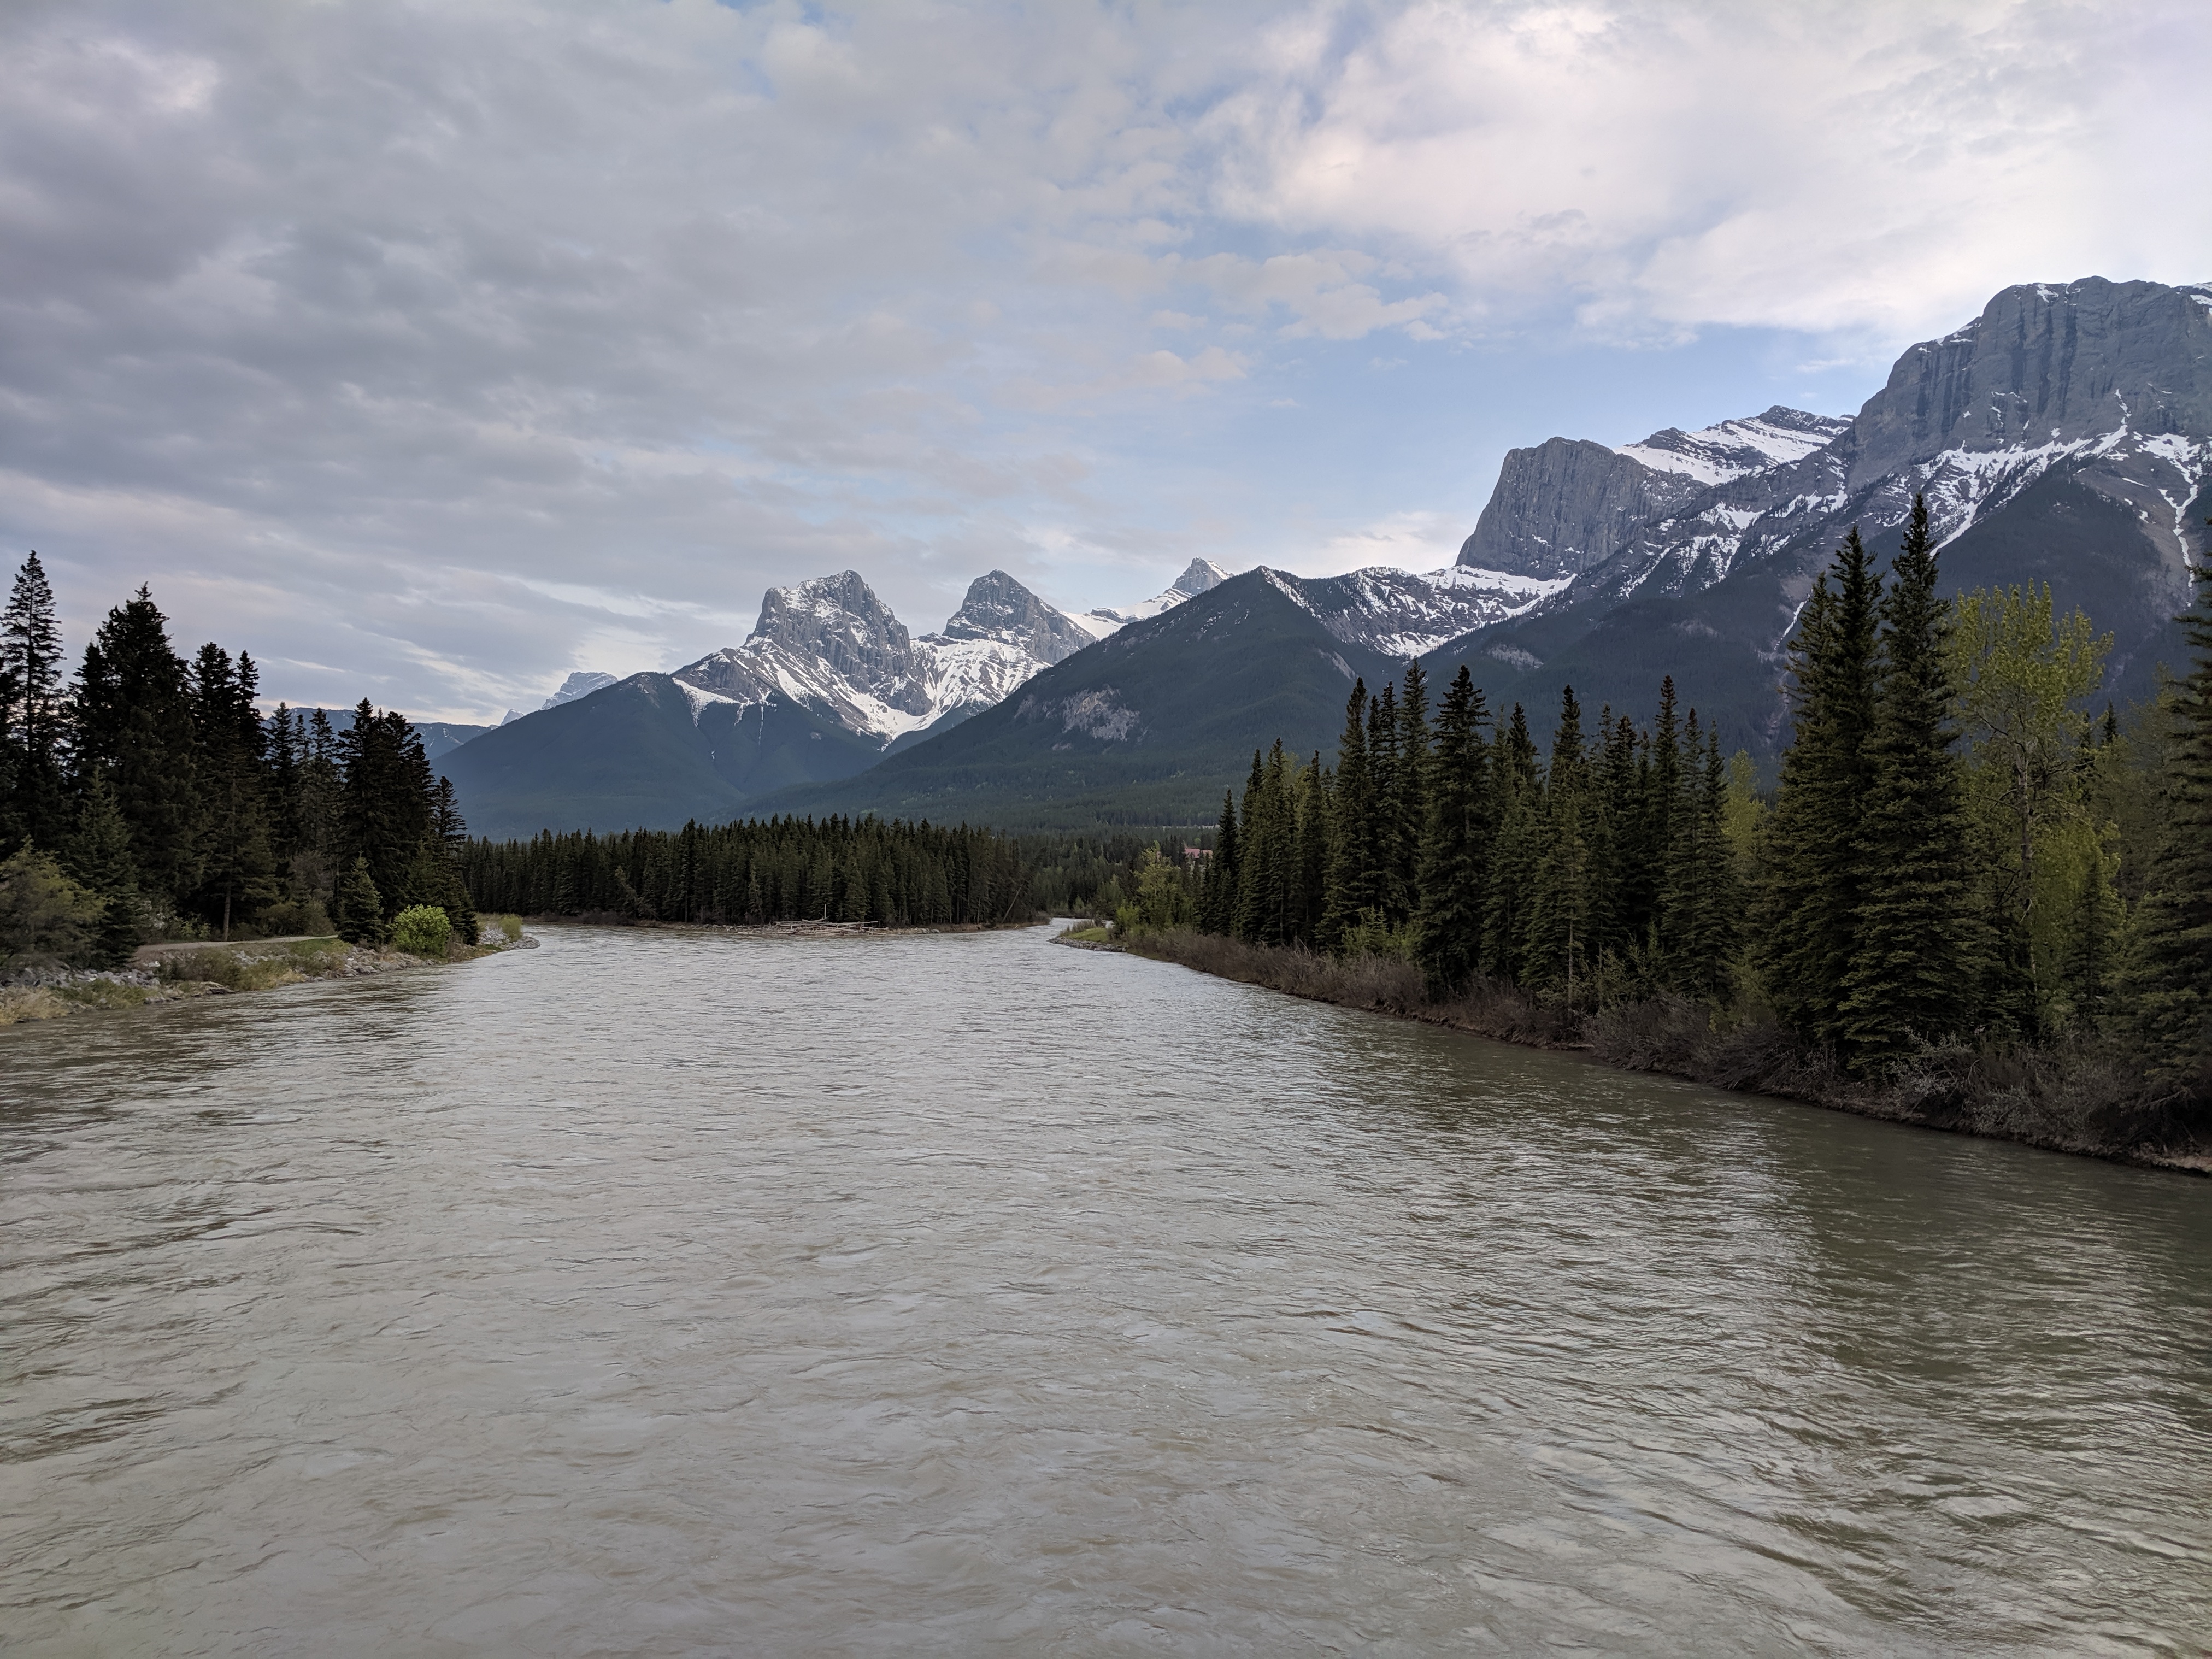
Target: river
{"x": 668, "y": 1292}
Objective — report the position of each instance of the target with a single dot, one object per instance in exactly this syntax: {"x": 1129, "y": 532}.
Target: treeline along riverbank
{"x": 1974, "y": 898}
{"x": 890, "y": 874}
{"x": 147, "y": 797}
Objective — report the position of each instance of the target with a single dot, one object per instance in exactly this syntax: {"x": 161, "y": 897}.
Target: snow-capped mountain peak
{"x": 580, "y": 684}
{"x": 832, "y": 645}
{"x": 1199, "y": 576}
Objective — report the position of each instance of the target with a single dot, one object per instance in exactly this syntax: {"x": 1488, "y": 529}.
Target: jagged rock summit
{"x": 831, "y": 646}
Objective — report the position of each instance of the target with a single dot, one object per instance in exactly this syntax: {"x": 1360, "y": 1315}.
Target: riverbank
{"x": 180, "y": 971}
{"x": 2077, "y": 1101}
{"x": 780, "y": 929}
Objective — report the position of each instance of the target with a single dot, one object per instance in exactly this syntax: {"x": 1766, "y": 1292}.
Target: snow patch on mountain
{"x": 1735, "y": 448}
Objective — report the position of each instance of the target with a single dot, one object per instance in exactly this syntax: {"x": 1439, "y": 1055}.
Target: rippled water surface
{"x": 667, "y": 1292}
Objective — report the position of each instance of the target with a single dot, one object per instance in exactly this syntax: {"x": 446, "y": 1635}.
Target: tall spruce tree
{"x": 1700, "y": 909}
{"x": 1560, "y": 911}
{"x": 1409, "y": 810}
{"x": 1351, "y": 878}
{"x": 36, "y": 712}
{"x": 1808, "y": 912}
{"x": 1216, "y": 910}
{"x": 1386, "y": 891}
{"x": 2165, "y": 986}
{"x": 134, "y": 722}
{"x": 1456, "y": 842}
{"x": 237, "y": 868}
{"x": 386, "y": 803}
{"x": 1516, "y": 794}
{"x": 1666, "y": 790}
{"x": 1266, "y": 844}
{"x": 1914, "y": 962}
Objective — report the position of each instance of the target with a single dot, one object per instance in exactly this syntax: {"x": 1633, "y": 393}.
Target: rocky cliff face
{"x": 2107, "y": 385}
{"x": 1565, "y": 506}
{"x": 1568, "y": 506}
{"x": 2063, "y": 436}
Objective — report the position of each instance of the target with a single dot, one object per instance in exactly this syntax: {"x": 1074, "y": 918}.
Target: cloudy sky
{"x": 431, "y": 350}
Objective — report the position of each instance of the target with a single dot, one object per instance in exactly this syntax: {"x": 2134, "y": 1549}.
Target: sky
{"x": 431, "y": 351}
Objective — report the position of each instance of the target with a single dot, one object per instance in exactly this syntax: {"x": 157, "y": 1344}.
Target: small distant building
{"x": 1196, "y": 854}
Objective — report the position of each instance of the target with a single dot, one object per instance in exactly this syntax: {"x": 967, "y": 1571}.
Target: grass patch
{"x": 1098, "y": 934}
{"x": 19, "y": 1003}
{"x": 237, "y": 968}
{"x": 103, "y": 993}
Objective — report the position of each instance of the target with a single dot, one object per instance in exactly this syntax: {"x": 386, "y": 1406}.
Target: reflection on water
{"x": 667, "y": 1292}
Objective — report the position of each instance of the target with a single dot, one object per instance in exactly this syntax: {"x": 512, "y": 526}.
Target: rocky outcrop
{"x": 999, "y": 608}
{"x": 1566, "y": 505}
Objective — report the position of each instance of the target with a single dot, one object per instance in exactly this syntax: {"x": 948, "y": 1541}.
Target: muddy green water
{"x": 656, "y": 1294}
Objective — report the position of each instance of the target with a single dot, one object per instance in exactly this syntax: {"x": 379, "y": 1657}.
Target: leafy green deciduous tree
{"x": 2023, "y": 675}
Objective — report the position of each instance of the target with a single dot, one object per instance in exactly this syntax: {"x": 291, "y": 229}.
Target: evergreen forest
{"x": 864, "y": 871}
{"x": 146, "y": 797}
{"x": 1961, "y": 846}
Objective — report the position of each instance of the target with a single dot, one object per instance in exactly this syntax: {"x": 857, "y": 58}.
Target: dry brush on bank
{"x": 2080, "y": 1099}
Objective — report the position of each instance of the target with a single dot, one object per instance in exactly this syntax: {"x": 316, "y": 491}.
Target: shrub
{"x": 45, "y": 917}
{"x": 423, "y": 930}
{"x": 210, "y": 965}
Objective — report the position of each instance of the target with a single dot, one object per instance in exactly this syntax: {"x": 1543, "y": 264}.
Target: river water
{"x": 669, "y": 1292}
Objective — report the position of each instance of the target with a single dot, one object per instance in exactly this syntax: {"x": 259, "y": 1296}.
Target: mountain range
{"x": 2061, "y": 436}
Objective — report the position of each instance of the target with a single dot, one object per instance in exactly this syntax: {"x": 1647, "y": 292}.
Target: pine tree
{"x": 1385, "y": 898}
{"x": 1615, "y": 828}
{"x": 1409, "y": 809}
{"x": 1456, "y": 843}
{"x": 31, "y": 663}
{"x": 1558, "y": 957}
{"x": 1912, "y": 970}
{"x": 2165, "y": 987}
{"x": 134, "y": 722}
{"x": 1699, "y": 907}
{"x": 385, "y": 802}
{"x": 1351, "y": 886}
{"x": 1217, "y": 903}
{"x": 99, "y": 858}
{"x": 1265, "y": 846}
{"x": 360, "y": 907}
{"x": 12, "y": 805}
{"x": 1517, "y": 790}
{"x": 237, "y": 869}
{"x": 1666, "y": 793}
{"x": 1808, "y": 911}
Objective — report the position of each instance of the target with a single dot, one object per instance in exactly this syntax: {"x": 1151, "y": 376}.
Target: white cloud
{"x": 1816, "y": 167}
{"x": 431, "y": 351}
